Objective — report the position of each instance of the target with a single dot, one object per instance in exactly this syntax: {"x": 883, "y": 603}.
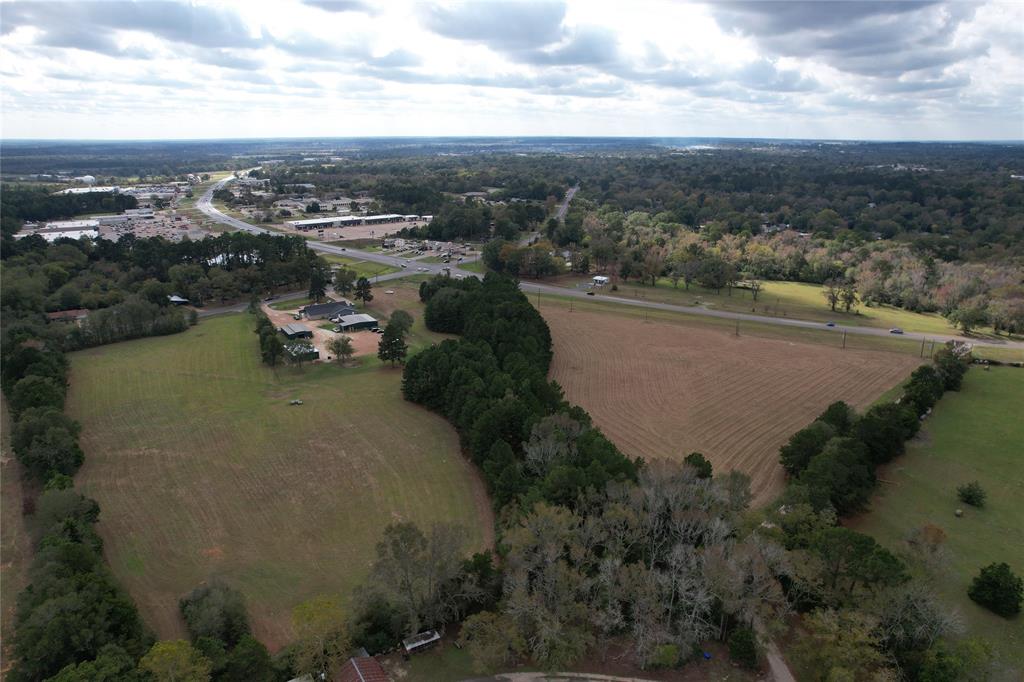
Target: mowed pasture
{"x": 975, "y": 434}
{"x": 665, "y": 388}
{"x": 202, "y": 469}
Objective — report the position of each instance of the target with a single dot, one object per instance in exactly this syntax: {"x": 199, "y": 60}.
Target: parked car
{"x": 336, "y": 330}
{"x": 405, "y": 265}
{"x": 590, "y": 293}
{"x": 895, "y": 330}
{"x": 270, "y": 298}
{"x": 830, "y": 323}
{"x": 296, "y": 316}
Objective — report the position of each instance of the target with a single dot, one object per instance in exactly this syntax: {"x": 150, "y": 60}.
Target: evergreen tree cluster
{"x": 492, "y": 385}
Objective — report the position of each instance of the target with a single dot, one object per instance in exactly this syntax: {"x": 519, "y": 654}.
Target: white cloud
{"x": 158, "y": 68}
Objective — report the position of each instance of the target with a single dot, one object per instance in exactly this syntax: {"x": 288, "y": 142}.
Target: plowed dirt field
{"x": 660, "y": 389}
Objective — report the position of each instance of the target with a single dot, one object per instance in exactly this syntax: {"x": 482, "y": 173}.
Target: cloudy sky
{"x": 297, "y": 68}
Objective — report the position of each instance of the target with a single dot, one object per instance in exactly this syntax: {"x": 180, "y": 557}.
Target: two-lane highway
{"x": 405, "y": 266}
{"x": 205, "y": 205}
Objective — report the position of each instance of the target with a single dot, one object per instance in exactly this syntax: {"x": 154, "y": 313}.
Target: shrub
{"x": 804, "y": 445}
{"x": 217, "y": 611}
{"x": 884, "y": 429}
{"x": 700, "y": 463}
{"x": 840, "y": 417}
{"x": 971, "y": 493}
{"x": 743, "y": 646}
{"x": 997, "y": 589}
{"x": 36, "y": 391}
{"x": 665, "y": 656}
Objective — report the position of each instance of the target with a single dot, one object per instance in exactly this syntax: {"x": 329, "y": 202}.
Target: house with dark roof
{"x": 320, "y": 311}
{"x": 363, "y": 669}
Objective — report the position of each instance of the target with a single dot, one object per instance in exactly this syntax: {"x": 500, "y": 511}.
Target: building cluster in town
{"x": 155, "y": 215}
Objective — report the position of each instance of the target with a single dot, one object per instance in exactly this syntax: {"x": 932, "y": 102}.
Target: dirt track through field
{"x": 659, "y": 389}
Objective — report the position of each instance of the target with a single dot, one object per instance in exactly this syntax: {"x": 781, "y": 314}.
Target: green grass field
{"x": 202, "y": 469}
{"x": 291, "y": 303}
{"x": 976, "y": 434}
{"x": 474, "y": 266}
{"x": 363, "y": 268}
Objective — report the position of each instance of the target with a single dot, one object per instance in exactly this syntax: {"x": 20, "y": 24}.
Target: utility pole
{"x": 921, "y": 354}
{"x": 844, "y": 339}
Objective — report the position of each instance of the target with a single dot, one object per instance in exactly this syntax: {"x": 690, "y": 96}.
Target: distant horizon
{"x": 1017, "y": 141}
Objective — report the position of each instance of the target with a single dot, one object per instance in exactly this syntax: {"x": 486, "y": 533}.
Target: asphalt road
{"x": 563, "y": 208}
{"x": 405, "y": 266}
{"x": 204, "y": 204}
{"x": 534, "y": 287}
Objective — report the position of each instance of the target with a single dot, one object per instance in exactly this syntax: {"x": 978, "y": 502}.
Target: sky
{"x": 351, "y": 68}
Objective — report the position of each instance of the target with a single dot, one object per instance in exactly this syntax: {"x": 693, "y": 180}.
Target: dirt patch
{"x": 363, "y": 341}
{"x": 660, "y": 389}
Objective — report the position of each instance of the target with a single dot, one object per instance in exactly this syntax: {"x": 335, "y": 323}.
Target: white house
{"x": 600, "y": 280}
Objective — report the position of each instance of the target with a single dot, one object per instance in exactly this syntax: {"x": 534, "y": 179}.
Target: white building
{"x": 110, "y": 189}
{"x": 61, "y": 229}
{"x": 600, "y": 280}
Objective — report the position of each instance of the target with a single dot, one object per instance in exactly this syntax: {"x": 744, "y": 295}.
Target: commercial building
{"x": 297, "y": 331}
{"x": 357, "y": 321}
{"x": 344, "y": 220}
{"x": 328, "y": 310}
{"x": 109, "y": 189}
{"x": 63, "y": 229}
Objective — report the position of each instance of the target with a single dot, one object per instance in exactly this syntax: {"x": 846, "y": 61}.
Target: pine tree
{"x": 392, "y": 345}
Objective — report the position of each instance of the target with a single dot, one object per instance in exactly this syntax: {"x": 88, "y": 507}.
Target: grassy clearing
{"x": 363, "y": 268}
{"x": 405, "y": 297}
{"x": 203, "y": 469}
{"x": 976, "y": 434}
{"x": 796, "y": 300}
{"x": 291, "y": 303}
{"x": 476, "y": 266}
{"x": 361, "y": 244}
